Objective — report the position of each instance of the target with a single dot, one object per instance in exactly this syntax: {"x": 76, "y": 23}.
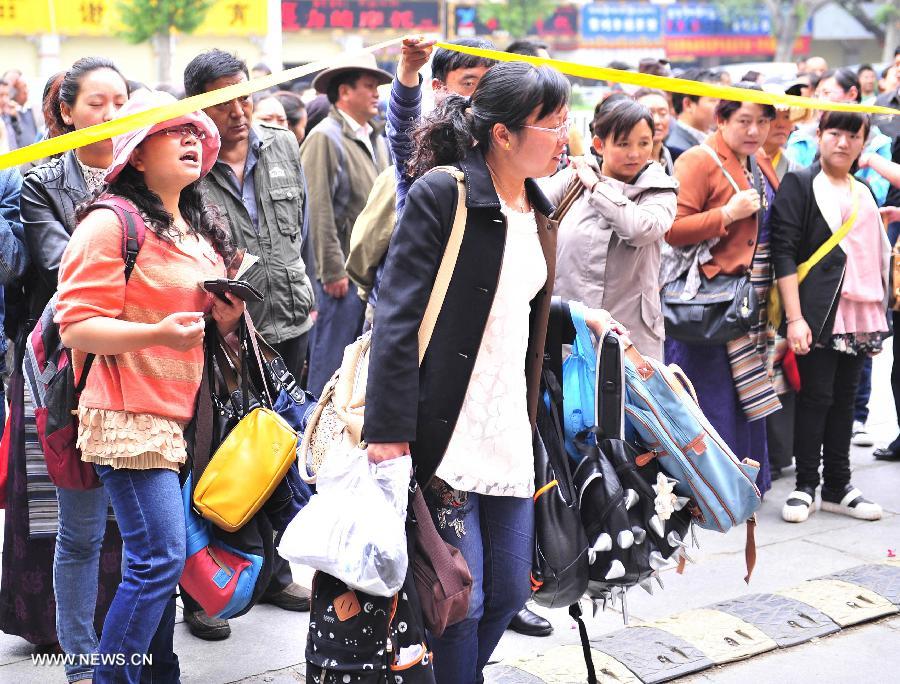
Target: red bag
{"x": 4, "y": 461}
{"x": 51, "y": 378}
{"x": 791, "y": 372}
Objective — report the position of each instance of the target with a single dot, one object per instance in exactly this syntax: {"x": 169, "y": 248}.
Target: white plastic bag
{"x": 354, "y": 527}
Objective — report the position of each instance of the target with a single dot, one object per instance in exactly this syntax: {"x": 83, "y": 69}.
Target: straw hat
{"x": 365, "y": 63}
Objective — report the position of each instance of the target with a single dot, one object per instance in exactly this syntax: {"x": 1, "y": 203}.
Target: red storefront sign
{"x": 376, "y": 15}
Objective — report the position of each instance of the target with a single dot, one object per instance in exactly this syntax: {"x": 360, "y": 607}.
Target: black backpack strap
{"x": 575, "y": 612}
{"x": 132, "y": 240}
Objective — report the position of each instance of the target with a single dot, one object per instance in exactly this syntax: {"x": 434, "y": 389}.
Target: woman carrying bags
{"x": 836, "y": 318}
{"x": 467, "y": 414}
{"x": 147, "y": 335}
{"x": 608, "y": 249}
{"x": 724, "y": 184}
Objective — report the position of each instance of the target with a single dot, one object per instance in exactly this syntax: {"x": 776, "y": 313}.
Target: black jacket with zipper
{"x": 51, "y": 193}
{"x": 797, "y": 230}
{"x": 421, "y": 406}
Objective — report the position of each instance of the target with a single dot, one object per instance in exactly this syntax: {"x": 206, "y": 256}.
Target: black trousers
{"x": 293, "y": 352}
{"x": 895, "y": 376}
{"x": 824, "y": 417}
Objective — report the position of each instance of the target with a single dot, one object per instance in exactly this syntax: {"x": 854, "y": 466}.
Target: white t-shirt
{"x": 490, "y": 451}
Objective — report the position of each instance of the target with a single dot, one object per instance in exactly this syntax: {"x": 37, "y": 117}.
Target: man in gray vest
{"x": 257, "y": 184}
{"x": 342, "y": 156}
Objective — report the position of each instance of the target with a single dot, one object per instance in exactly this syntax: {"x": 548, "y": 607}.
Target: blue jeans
{"x": 82, "y": 524}
{"x": 141, "y": 619}
{"x": 496, "y": 537}
{"x": 864, "y": 393}
{"x": 339, "y": 323}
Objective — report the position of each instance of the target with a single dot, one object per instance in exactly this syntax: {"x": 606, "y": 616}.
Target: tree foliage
{"x": 144, "y": 19}
{"x": 516, "y": 17}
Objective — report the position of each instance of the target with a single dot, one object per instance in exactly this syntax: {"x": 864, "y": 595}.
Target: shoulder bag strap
{"x": 448, "y": 263}
{"x": 132, "y": 240}
{"x": 573, "y": 192}
{"x": 835, "y": 239}
{"x": 715, "y": 156}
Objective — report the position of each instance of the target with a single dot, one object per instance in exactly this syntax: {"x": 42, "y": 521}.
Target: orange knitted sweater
{"x": 166, "y": 279}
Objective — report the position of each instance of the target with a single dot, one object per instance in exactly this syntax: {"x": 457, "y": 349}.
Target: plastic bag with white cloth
{"x": 353, "y": 528}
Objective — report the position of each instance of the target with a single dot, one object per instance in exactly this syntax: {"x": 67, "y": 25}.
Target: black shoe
{"x": 887, "y": 454}
{"x": 207, "y": 628}
{"x": 292, "y": 597}
{"x": 530, "y": 624}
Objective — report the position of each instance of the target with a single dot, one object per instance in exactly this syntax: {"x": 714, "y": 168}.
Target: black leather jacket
{"x": 51, "y": 193}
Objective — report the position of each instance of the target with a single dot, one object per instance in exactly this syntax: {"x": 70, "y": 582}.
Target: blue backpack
{"x": 662, "y": 408}
{"x": 662, "y": 415}
{"x": 578, "y": 380}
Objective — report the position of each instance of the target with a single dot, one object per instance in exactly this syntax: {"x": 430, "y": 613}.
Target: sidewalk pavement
{"x": 267, "y": 645}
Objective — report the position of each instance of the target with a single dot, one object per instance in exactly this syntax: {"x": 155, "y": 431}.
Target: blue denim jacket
{"x": 13, "y": 253}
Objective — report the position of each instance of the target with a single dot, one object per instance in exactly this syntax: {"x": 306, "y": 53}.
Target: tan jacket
{"x": 608, "y": 249}
{"x": 340, "y": 173}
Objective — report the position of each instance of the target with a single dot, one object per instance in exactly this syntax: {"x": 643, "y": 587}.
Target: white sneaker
{"x": 861, "y": 437}
{"x": 798, "y": 506}
{"x": 853, "y": 504}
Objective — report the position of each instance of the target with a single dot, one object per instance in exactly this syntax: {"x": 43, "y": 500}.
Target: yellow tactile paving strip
{"x": 845, "y": 603}
{"x": 721, "y": 637}
{"x": 565, "y": 665}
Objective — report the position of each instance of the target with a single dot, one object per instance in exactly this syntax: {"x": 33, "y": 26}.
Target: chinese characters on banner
{"x": 100, "y": 18}
{"x": 389, "y": 15}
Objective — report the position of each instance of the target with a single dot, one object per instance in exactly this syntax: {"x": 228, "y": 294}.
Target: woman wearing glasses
{"x": 608, "y": 248}
{"x": 467, "y": 414}
{"x": 140, "y": 392}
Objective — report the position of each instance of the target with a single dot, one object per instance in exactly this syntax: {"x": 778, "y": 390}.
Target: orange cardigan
{"x": 156, "y": 380}
{"x": 703, "y": 191}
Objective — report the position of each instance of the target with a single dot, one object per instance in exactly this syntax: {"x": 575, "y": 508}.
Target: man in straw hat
{"x": 342, "y": 156}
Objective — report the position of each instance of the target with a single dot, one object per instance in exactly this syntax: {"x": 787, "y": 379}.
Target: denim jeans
{"x": 864, "y": 393}
{"x": 496, "y": 537}
{"x": 82, "y": 524}
{"x": 141, "y": 619}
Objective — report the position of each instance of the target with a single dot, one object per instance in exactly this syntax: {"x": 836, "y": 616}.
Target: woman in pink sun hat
{"x": 146, "y": 331}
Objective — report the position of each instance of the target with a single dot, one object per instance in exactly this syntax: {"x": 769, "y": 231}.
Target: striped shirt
{"x": 166, "y": 280}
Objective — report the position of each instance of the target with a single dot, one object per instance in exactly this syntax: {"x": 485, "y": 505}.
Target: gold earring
{"x": 507, "y": 145}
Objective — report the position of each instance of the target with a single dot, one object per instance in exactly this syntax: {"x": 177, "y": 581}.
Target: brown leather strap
{"x": 204, "y": 420}
{"x": 573, "y": 192}
{"x": 435, "y": 547}
{"x": 253, "y": 338}
{"x": 750, "y": 548}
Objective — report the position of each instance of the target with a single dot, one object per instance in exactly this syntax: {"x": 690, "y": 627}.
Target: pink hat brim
{"x": 124, "y": 145}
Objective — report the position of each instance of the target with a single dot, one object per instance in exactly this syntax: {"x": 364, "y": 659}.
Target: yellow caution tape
{"x": 675, "y": 85}
{"x": 149, "y": 117}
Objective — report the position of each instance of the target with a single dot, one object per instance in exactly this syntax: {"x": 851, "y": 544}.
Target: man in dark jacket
{"x": 343, "y": 156}
{"x": 258, "y": 185}
{"x": 695, "y": 115}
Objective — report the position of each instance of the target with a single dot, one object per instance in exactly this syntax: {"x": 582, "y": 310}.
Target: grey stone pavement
{"x": 267, "y": 645}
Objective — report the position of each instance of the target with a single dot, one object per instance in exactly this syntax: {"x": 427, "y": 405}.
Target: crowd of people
{"x": 328, "y": 187}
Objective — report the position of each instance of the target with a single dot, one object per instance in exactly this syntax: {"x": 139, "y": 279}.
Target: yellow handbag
{"x": 251, "y": 460}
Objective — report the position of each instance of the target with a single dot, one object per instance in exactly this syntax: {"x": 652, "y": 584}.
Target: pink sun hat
{"x": 125, "y": 144}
